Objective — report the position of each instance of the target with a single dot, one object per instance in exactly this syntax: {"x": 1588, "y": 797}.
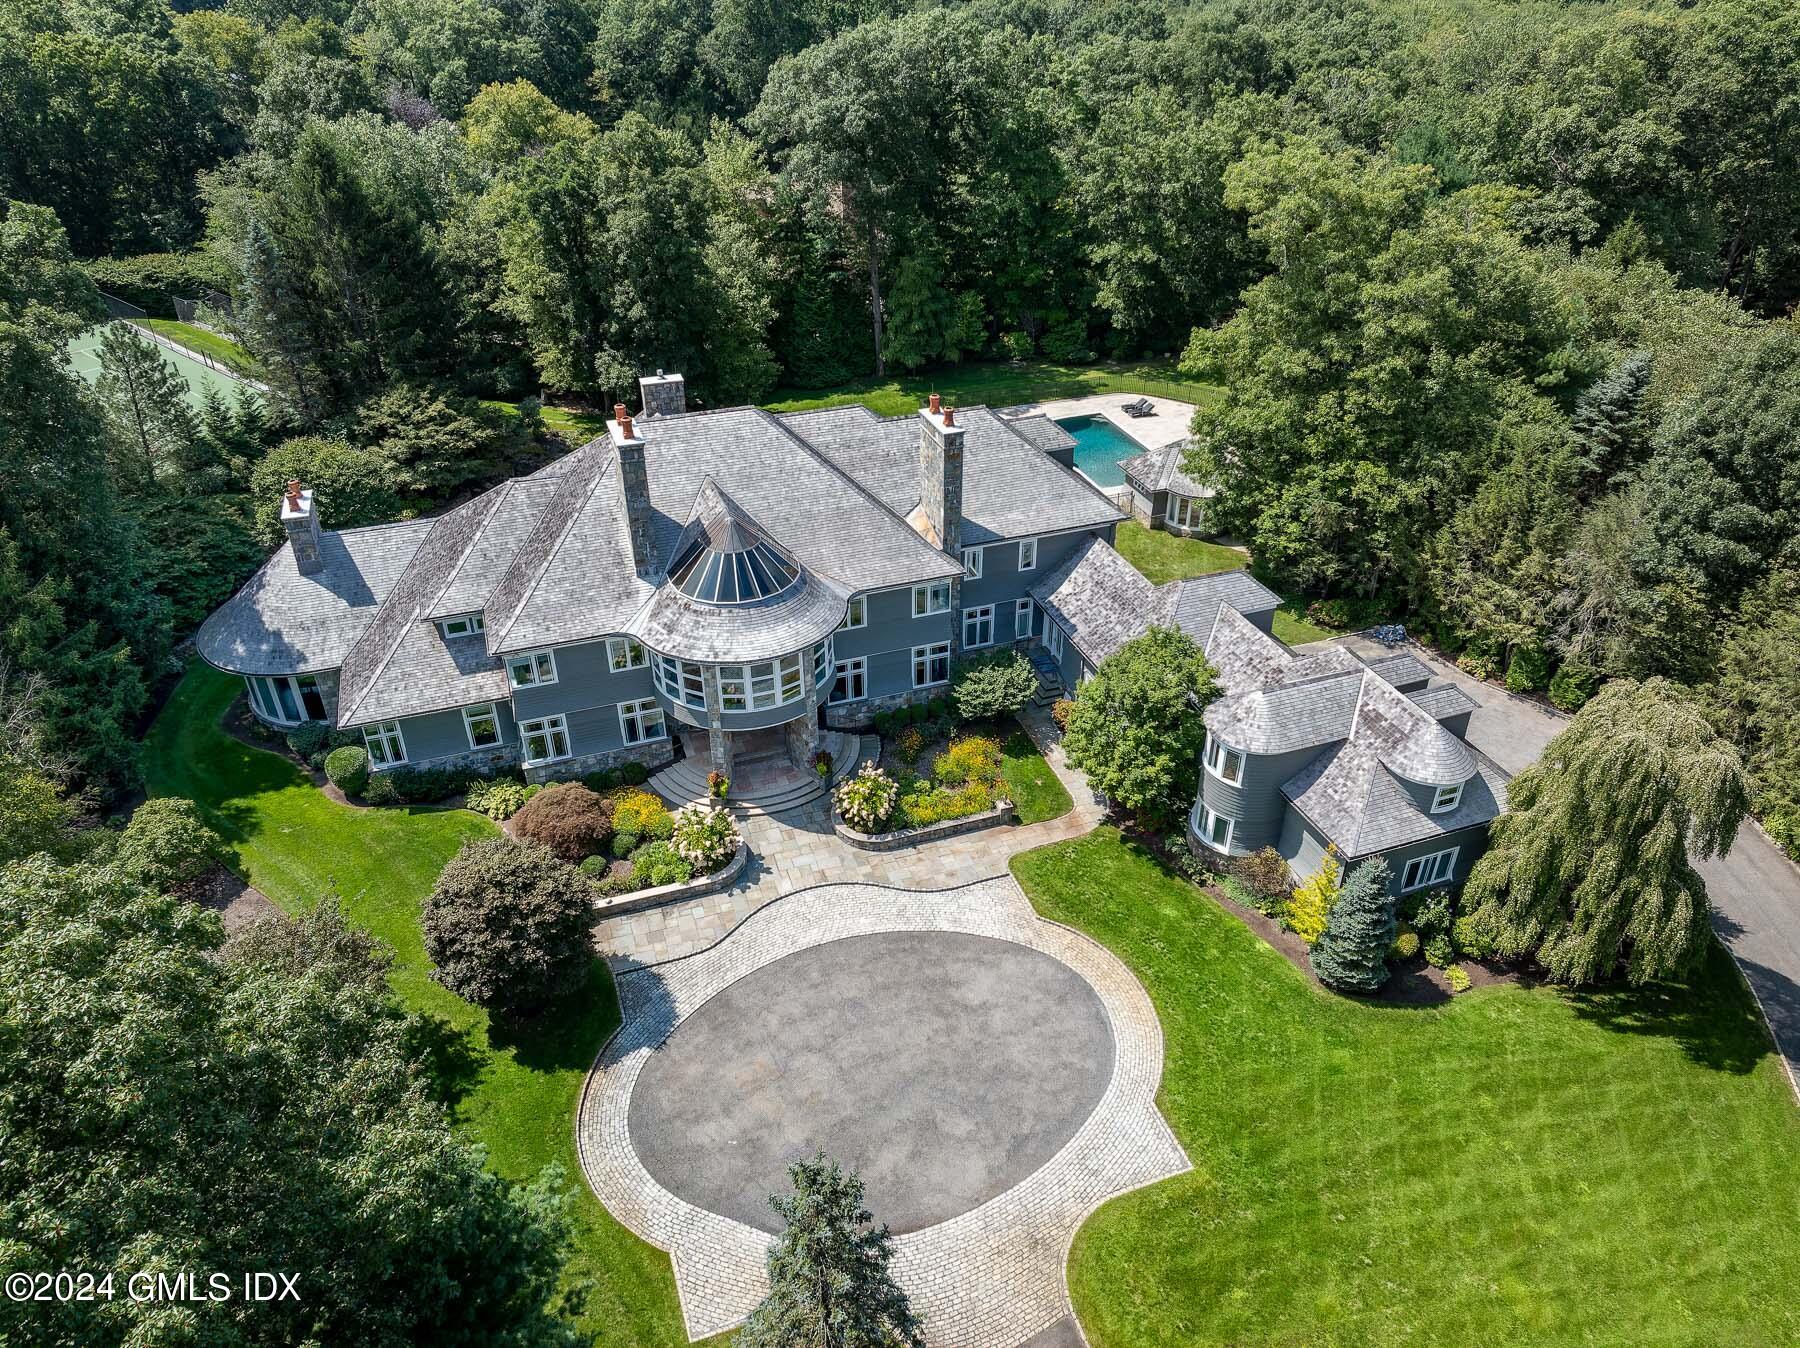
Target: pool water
{"x": 1100, "y": 447}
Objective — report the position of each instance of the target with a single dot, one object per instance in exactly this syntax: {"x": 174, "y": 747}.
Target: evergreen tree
{"x": 268, "y": 322}
{"x": 1590, "y": 863}
{"x": 829, "y": 1284}
{"x": 1608, "y": 427}
{"x": 1351, "y": 954}
{"x": 146, "y": 407}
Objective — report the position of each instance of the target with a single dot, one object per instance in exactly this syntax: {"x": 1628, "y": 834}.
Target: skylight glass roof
{"x": 741, "y": 576}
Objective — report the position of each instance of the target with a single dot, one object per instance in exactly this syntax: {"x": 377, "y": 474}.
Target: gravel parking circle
{"x": 945, "y": 1067}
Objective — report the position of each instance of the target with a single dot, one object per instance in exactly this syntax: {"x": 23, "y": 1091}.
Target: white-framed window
{"x": 822, "y": 654}
{"x": 466, "y": 626}
{"x": 682, "y": 681}
{"x": 1431, "y": 870}
{"x": 1053, "y": 637}
{"x": 978, "y": 627}
{"x": 641, "y": 721}
{"x": 856, "y": 614}
{"x": 1446, "y": 799}
{"x": 287, "y": 699}
{"x": 1028, "y": 554}
{"x": 481, "y": 725}
{"x": 533, "y": 669}
{"x": 931, "y": 664}
{"x": 1215, "y": 829}
{"x": 931, "y": 599}
{"x": 1185, "y": 512}
{"x": 972, "y": 559}
{"x": 1225, "y": 764}
{"x": 386, "y": 745}
{"x": 1022, "y": 620}
{"x": 623, "y": 653}
{"x": 852, "y": 681}
{"x": 544, "y": 740}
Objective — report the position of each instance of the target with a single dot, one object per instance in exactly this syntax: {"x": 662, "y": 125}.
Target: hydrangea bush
{"x": 705, "y": 838}
{"x": 867, "y": 799}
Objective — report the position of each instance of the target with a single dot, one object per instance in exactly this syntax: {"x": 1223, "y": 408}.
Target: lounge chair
{"x": 1143, "y": 407}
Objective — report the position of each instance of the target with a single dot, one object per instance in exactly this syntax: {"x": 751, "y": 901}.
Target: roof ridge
{"x": 501, "y": 491}
{"x": 600, "y": 475}
{"x": 869, "y": 496}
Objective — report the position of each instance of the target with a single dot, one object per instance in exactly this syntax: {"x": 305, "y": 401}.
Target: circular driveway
{"x": 945, "y": 1067}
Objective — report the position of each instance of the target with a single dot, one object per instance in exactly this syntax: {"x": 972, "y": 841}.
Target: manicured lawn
{"x": 294, "y": 844}
{"x": 1037, "y": 793}
{"x": 1163, "y": 556}
{"x": 1516, "y": 1167}
{"x": 999, "y": 384}
{"x": 222, "y": 349}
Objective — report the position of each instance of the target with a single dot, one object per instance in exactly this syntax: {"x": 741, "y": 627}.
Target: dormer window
{"x": 466, "y": 626}
{"x": 1446, "y": 799}
{"x": 1225, "y": 764}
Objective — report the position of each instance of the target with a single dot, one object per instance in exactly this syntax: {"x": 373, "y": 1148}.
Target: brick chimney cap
{"x": 949, "y": 416}
{"x": 293, "y": 492}
{"x": 619, "y": 412}
{"x": 625, "y": 430}
{"x": 935, "y": 403}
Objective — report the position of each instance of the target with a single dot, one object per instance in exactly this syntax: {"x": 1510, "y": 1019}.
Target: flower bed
{"x": 962, "y": 782}
{"x": 655, "y": 854}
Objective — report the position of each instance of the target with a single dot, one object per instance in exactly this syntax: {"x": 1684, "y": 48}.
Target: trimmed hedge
{"x": 348, "y": 769}
{"x": 152, "y": 281}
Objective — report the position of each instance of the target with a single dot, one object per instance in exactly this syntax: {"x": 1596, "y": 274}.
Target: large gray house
{"x": 1304, "y": 751}
{"x": 744, "y": 576}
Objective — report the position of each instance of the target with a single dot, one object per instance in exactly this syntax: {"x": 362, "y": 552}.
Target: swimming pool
{"x": 1100, "y": 447}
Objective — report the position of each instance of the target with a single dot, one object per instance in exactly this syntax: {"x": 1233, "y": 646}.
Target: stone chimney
{"x": 941, "y": 476}
{"x": 663, "y": 395}
{"x": 301, "y": 520}
{"x": 634, "y": 477}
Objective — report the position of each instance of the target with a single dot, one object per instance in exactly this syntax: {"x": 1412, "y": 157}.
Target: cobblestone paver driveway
{"x": 988, "y": 1277}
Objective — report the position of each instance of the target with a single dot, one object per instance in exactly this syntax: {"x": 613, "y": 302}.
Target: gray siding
{"x": 1255, "y": 805}
{"x": 584, "y": 682}
{"x": 1304, "y": 849}
{"x": 888, "y": 639}
{"x": 442, "y": 734}
{"x": 1001, "y": 580}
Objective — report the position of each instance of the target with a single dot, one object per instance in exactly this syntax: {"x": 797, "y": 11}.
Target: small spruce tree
{"x": 829, "y": 1283}
{"x": 1351, "y": 953}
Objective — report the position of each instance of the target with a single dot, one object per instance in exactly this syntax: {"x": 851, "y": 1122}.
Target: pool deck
{"x": 1166, "y": 425}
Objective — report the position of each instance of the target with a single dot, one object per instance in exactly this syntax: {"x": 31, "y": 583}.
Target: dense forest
{"x": 1497, "y": 295}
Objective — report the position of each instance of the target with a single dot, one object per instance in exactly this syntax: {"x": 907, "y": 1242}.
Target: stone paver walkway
{"x": 991, "y": 1277}
{"x": 798, "y": 849}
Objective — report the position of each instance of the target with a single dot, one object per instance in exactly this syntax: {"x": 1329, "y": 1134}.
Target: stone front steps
{"x": 1049, "y": 677}
{"x": 684, "y": 782}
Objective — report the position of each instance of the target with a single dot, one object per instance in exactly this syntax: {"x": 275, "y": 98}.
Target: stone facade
{"x": 301, "y": 521}
{"x": 494, "y": 758}
{"x": 634, "y": 479}
{"x": 656, "y": 754}
{"x": 861, "y": 715}
{"x": 663, "y": 395}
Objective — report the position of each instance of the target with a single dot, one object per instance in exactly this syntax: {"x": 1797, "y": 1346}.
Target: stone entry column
{"x": 718, "y": 739}
{"x": 803, "y": 731}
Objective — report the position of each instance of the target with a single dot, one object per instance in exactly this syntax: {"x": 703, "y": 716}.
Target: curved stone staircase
{"x": 684, "y": 781}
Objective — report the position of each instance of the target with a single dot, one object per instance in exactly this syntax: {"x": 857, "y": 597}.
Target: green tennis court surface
{"x": 84, "y": 351}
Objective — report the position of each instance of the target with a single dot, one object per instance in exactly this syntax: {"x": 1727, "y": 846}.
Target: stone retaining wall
{"x": 657, "y": 895}
{"x": 654, "y": 755}
{"x": 906, "y": 837}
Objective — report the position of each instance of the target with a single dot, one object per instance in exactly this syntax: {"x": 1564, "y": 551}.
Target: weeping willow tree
{"x": 1591, "y": 863}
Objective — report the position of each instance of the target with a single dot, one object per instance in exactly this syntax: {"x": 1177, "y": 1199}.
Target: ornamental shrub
{"x": 595, "y": 866}
{"x": 618, "y": 877}
{"x": 567, "y": 818}
{"x": 1429, "y": 913}
{"x": 1574, "y": 684}
{"x": 507, "y": 926}
{"x": 1060, "y": 712}
{"x": 601, "y": 782}
{"x": 1529, "y": 670}
{"x": 865, "y": 801}
{"x": 380, "y": 790}
{"x": 1439, "y": 952}
{"x": 348, "y": 769}
{"x": 310, "y": 739}
{"x": 633, "y": 774}
{"x": 1405, "y": 946}
{"x": 909, "y": 744}
{"x": 1457, "y": 979}
{"x": 167, "y": 846}
{"x": 975, "y": 758}
{"x": 1265, "y": 874}
{"x": 500, "y": 798}
{"x": 1309, "y": 908}
{"x": 993, "y": 687}
{"x": 935, "y": 805}
{"x": 704, "y": 837}
{"x": 624, "y": 844}
{"x": 1472, "y": 937}
{"x": 1351, "y": 953}
{"x": 637, "y": 811}
{"x": 658, "y": 863}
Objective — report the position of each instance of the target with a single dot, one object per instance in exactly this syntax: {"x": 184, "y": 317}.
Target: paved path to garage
{"x": 798, "y": 849}
{"x": 986, "y": 1270}
{"x": 1755, "y": 889}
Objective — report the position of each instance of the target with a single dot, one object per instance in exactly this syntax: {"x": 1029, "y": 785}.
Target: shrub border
{"x": 657, "y": 895}
{"x": 894, "y": 840}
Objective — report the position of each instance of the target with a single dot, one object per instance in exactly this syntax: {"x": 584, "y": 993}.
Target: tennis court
{"x": 84, "y": 351}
